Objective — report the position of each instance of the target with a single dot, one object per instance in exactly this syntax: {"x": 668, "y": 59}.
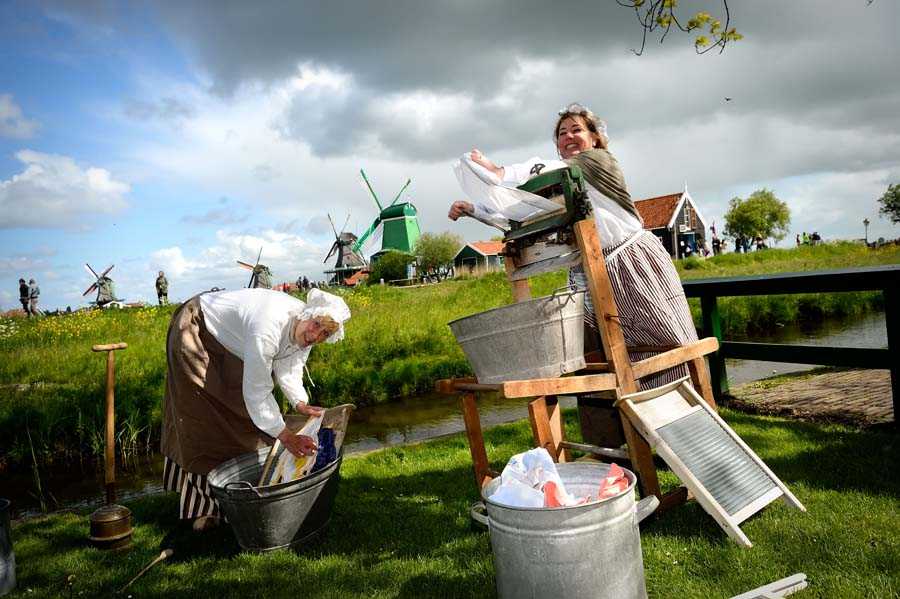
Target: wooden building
{"x": 677, "y": 222}
{"x": 479, "y": 257}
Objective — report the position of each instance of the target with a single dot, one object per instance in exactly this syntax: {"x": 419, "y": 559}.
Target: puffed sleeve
{"x": 289, "y": 374}
{"x": 259, "y": 349}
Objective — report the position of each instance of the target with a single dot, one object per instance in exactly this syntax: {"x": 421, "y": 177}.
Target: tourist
{"x": 222, "y": 350}
{"x": 23, "y": 297}
{"x": 162, "y": 289}
{"x": 652, "y": 309}
{"x": 34, "y": 294}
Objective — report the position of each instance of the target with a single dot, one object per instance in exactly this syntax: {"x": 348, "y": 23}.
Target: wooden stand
{"x": 621, "y": 376}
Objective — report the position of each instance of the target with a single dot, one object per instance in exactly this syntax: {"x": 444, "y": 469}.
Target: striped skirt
{"x": 650, "y": 300}
{"x": 195, "y": 497}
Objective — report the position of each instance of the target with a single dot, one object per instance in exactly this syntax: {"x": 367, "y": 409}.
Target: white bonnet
{"x": 319, "y": 303}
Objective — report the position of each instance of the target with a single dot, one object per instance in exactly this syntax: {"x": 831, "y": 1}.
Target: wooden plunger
{"x": 111, "y": 524}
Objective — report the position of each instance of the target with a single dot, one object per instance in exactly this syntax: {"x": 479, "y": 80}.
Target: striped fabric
{"x": 195, "y": 496}
{"x": 652, "y": 307}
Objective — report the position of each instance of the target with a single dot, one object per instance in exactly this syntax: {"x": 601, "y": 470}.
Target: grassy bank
{"x": 401, "y": 529}
{"x": 397, "y": 344}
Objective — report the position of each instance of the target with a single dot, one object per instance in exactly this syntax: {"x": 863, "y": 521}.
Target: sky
{"x": 183, "y": 136}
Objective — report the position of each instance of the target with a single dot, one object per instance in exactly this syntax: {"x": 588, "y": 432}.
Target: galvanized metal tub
{"x": 7, "y": 557}
{"x": 274, "y": 516}
{"x": 538, "y": 338}
{"x": 590, "y": 550}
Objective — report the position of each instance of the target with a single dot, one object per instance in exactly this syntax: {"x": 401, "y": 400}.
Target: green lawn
{"x": 401, "y": 529}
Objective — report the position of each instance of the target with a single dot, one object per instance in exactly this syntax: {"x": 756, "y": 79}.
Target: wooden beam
{"x": 700, "y": 379}
{"x": 476, "y": 439}
{"x": 540, "y": 426}
{"x": 674, "y": 357}
{"x": 521, "y": 290}
{"x": 557, "y": 430}
{"x": 558, "y": 386}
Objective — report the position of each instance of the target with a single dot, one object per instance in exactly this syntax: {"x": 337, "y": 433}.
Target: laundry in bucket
{"x": 530, "y": 479}
{"x": 327, "y": 451}
{"x": 613, "y": 483}
{"x": 290, "y": 467}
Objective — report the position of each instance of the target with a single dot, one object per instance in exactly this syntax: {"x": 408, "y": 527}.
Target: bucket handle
{"x": 572, "y": 290}
{"x": 244, "y": 485}
{"x": 478, "y": 512}
{"x": 645, "y": 507}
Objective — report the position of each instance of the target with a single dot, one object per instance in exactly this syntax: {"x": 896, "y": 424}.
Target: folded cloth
{"x": 327, "y": 450}
{"x": 613, "y": 483}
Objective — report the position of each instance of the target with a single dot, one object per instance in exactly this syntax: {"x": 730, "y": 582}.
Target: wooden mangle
{"x": 557, "y": 239}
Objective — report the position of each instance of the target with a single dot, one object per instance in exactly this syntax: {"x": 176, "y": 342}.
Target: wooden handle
{"x": 109, "y": 347}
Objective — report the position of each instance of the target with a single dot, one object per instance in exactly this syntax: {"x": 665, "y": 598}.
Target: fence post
{"x": 712, "y": 327}
{"x": 892, "y": 322}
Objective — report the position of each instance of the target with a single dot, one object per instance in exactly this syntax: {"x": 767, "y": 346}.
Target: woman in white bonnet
{"x": 652, "y": 307}
{"x": 223, "y": 350}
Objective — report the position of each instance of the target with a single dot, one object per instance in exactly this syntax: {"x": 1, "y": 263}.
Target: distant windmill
{"x": 260, "y": 275}
{"x": 348, "y": 261}
{"x": 103, "y": 285}
{"x": 399, "y": 222}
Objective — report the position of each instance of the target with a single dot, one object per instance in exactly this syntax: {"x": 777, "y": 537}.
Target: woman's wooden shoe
{"x": 205, "y": 523}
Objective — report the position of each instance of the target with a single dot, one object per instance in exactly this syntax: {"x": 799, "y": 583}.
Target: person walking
{"x": 23, "y": 296}
{"x": 162, "y": 289}
{"x": 34, "y": 293}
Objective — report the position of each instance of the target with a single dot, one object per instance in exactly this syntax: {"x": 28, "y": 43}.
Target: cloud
{"x": 169, "y": 109}
{"x": 215, "y": 216}
{"x": 53, "y": 191}
{"x": 12, "y": 122}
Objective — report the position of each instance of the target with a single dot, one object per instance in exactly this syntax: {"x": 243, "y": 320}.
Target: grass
{"x": 397, "y": 344}
{"x": 400, "y": 528}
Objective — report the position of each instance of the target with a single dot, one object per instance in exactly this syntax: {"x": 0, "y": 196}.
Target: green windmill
{"x": 399, "y": 222}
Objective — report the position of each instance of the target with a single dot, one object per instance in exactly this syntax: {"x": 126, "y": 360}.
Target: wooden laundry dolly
{"x": 111, "y": 524}
{"x": 562, "y": 238}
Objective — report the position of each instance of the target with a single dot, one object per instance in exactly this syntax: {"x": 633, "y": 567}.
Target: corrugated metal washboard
{"x": 725, "y": 476}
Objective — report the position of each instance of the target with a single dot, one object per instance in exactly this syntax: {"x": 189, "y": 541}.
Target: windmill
{"x": 348, "y": 261}
{"x": 260, "y": 275}
{"x": 399, "y": 223}
{"x": 106, "y": 293}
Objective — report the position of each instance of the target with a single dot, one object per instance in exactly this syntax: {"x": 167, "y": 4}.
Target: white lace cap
{"x": 320, "y": 303}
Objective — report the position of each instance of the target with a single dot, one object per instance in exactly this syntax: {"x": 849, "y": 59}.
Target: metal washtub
{"x": 274, "y": 516}
{"x": 538, "y": 338}
{"x": 590, "y": 550}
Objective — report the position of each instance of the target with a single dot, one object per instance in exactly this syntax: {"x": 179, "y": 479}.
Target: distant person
{"x": 305, "y": 284}
{"x": 23, "y": 297}
{"x": 760, "y": 244}
{"x": 34, "y": 294}
{"x": 798, "y": 239}
{"x": 716, "y": 246}
{"x": 815, "y": 238}
{"x": 805, "y": 238}
{"x": 162, "y": 289}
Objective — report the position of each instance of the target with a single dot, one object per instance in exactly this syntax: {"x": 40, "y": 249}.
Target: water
{"x": 412, "y": 420}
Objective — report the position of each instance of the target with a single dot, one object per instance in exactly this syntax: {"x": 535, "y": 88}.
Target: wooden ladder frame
{"x": 620, "y": 375}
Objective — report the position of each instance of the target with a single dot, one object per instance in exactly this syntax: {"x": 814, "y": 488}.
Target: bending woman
{"x": 222, "y": 350}
{"x": 652, "y": 307}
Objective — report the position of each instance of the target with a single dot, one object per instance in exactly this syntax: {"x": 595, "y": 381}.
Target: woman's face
{"x": 573, "y": 137}
{"x": 309, "y": 332}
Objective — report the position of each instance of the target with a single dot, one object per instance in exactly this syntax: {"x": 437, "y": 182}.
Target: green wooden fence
{"x": 885, "y": 279}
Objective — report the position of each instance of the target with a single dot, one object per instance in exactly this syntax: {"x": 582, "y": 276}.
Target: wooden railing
{"x": 885, "y": 279}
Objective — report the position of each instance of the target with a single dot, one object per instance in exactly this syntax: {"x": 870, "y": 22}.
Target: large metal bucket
{"x": 590, "y": 550}
{"x": 274, "y": 516}
{"x": 7, "y": 557}
{"x": 534, "y": 339}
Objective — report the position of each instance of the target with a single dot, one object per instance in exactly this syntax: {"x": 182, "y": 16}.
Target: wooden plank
{"x": 558, "y": 386}
{"x": 671, "y": 500}
{"x": 779, "y": 588}
{"x": 540, "y": 426}
{"x": 757, "y": 504}
{"x": 477, "y": 387}
{"x": 674, "y": 357}
{"x": 639, "y": 453}
{"x": 700, "y": 378}
{"x": 597, "y": 367}
{"x": 476, "y": 439}
{"x": 556, "y": 429}
{"x": 858, "y": 357}
{"x": 604, "y": 452}
{"x": 604, "y": 304}
{"x": 521, "y": 290}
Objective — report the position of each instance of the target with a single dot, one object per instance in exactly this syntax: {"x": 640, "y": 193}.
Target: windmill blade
{"x": 91, "y": 270}
{"x": 103, "y": 274}
{"x": 245, "y": 265}
{"x": 334, "y": 246}
{"x": 89, "y": 289}
{"x": 258, "y": 256}
{"x": 397, "y": 197}
{"x": 347, "y": 220}
{"x": 359, "y": 242}
{"x": 372, "y": 191}
{"x": 332, "y": 226}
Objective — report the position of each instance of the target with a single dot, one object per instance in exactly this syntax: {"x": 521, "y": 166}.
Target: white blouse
{"x": 255, "y": 326}
{"x": 614, "y": 224}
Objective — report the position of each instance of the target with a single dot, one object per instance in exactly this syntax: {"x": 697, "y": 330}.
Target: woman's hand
{"x": 479, "y": 158}
{"x": 308, "y": 410}
{"x": 299, "y": 445}
{"x": 460, "y": 208}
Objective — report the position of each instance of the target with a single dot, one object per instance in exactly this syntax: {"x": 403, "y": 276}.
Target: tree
{"x": 890, "y": 203}
{"x": 661, "y": 15}
{"x": 760, "y": 215}
{"x": 390, "y": 266}
{"x": 436, "y": 252}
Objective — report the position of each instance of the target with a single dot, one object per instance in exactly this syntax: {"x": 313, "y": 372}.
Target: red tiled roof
{"x": 657, "y": 212}
{"x": 356, "y": 278}
{"x": 488, "y": 248}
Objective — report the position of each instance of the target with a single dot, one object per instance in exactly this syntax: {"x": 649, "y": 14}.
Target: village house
{"x": 479, "y": 257}
{"x": 677, "y": 222}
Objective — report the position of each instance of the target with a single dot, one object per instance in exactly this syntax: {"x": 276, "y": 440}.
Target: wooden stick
{"x": 164, "y": 554}
{"x": 267, "y": 466}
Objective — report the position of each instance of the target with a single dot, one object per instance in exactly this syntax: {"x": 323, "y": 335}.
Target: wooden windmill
{"x": 103, "y": 285}
{"x": 260, "y": 275}
{"x": 399, "y": 224}
{"x": 348, "y": 261}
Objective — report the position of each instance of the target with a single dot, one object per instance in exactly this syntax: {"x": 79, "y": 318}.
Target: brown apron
{"x": 205, "y": 421}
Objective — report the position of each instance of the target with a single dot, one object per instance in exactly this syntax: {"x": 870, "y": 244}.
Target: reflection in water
{"x": 415, "y": 419}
